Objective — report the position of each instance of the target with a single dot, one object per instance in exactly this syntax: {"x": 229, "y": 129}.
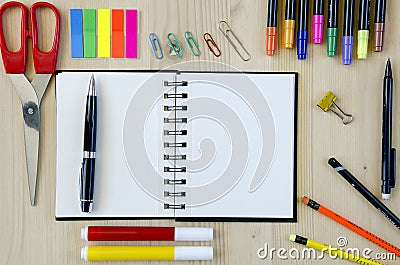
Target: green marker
{"x": 89, "y": 33}
{"x": 332, "y": 30}
{"x": 363, "y": 30}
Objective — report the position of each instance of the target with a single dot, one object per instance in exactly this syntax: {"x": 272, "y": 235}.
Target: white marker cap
{"x": 385, "y": 196}
{"x": 84, "y": 253}
{"x": 193, "y": 234}
{"x": 193, "y": 253}
{"x": 84, "y": 233}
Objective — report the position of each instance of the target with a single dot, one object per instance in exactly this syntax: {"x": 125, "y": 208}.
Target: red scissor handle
{"x": 14, "y": 62}
{"x": 45, "y": 62}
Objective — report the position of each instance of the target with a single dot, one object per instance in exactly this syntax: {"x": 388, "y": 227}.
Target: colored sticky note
{"x": 131, "y": 33}
{"x": 89, "y": 33}
{"x": 76, "y": 29}
{"x": 103, "y": 33}
{"x": 117, "y": 50}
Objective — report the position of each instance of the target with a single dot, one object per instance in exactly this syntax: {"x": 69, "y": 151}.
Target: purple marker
{"x": 348, "y": 38}
{"x": 318, "y": 21}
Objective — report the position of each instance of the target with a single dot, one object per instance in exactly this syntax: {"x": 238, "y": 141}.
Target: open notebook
{"x": 184, "y": 145}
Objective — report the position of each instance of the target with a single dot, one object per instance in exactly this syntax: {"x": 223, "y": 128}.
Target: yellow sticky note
{"x": 103, "y": 33}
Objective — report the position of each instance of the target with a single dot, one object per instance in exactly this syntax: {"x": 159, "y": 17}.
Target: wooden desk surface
{"x": 30, "y": 235}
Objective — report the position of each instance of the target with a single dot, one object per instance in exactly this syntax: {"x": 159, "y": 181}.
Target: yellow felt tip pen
{"x": 335, "y": 252}
{"x": 92, "y": 253}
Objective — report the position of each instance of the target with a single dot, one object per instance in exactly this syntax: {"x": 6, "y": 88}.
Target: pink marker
{"x": 318, "y": 21}
{"x": 131, "y": 33}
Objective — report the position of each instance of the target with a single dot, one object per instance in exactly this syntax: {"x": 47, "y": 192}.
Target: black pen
{"x": 379, "y": 27}
{"x": 348, "y": 38}
{"x": 388, "y": 153}
{"x": 332, "y": 30}
{"x": 89, "y": 150}
{"x": 364, "y": 192}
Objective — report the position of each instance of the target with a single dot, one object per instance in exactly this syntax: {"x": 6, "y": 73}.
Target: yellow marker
{"x": 103, "y": 33}
{"x": 335, "y": 252}
{"x": 90, "y": 253}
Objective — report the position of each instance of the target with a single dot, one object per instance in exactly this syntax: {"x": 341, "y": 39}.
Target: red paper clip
{"x": 213, "y": 47}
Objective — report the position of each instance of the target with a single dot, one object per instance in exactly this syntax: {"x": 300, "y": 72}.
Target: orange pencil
{"x": 355, "y": 228}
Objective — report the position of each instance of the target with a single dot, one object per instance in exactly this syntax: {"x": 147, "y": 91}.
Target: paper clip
{"x": 155, "y": 44}
{"x": 235, "y": 42}
{"x": 326, "y": 104}
{"x": 212, "y": 46}
{"x": 175, "y": 46}
{"x": 192, "y": 42}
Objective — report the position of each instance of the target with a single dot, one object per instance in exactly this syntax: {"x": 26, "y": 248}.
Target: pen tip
{"x": 92, "y": 91}
{"x": 388, "y": 70}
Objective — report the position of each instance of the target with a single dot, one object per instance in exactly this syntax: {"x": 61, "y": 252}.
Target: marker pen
{"x": 332, "y": 30}
{"x": 271, "y": 27}
{"x": 289, "y": 24}
{"x": 348, "y": 38}
{"x": 363, "y": 29}
{"x": 302, "y": 33}
{"x": 318, "y": 21}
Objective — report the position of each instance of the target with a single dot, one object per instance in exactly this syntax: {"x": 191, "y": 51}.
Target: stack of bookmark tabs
{"x": 113, "y": 33}
{"x": 122, "y": 233}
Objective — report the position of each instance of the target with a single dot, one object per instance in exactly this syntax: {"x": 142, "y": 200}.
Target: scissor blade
{"x": 31, "y": 117}
{"x": 32, "y": 154}
{"x": 39, "y": 83}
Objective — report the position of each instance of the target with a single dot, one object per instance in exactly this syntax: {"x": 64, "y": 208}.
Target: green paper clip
{"x": 189, "y": 40}
{"x": 175, "y": 46}
{"x": 328, "y": 104}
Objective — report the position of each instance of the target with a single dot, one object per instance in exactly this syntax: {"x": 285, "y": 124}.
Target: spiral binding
{"x": 171, "y": 146}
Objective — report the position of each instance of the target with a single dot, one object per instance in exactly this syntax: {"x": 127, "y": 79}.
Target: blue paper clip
{"x": 189, "y": 40}
{"x": 155, "y": 44}
{"x": 175, "y": 46}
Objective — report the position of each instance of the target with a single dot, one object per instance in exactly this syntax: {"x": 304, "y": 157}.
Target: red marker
{"x": 140, "y": 233}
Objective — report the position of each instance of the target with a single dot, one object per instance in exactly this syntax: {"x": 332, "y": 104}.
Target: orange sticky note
{"x": 117, "y": 50}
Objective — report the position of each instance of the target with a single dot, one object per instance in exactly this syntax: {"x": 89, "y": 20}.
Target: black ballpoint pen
{"x": 388, "y": 153}
{"x": 89, "y": 150}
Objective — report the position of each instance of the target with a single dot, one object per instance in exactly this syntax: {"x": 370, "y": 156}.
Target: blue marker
{"x": 302, "y": 33}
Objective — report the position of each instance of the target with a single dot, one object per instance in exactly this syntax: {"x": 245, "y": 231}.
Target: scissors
{"x": 30, "y": 93}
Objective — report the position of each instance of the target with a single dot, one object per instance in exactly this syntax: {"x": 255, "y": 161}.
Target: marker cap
{"x": 302, "y": 39}
{"x": 362, "y": 44}
{"x": 347, "y": 49}
{"x": 318, "y": 28}
{"x": 332, "y": 35}
{"x": 271, "y": 41}
{"x": 288, "y": 35}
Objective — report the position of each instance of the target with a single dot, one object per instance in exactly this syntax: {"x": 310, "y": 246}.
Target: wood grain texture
{"x": 30, "y": 235}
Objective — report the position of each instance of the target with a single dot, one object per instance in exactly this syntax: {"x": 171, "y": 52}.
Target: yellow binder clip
{"x": 327, "y": 104}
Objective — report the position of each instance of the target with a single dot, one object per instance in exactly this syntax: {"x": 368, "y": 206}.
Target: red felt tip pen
{"x": 140, "y": 233}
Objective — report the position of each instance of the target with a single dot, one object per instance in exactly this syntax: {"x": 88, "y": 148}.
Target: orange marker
{"x": 355, "y": 228}
{"x": 271, "y": 27}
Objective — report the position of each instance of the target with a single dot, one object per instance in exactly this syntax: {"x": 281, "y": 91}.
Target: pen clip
{"x": 80, "y": 174}
{"x": 392, "y": 180}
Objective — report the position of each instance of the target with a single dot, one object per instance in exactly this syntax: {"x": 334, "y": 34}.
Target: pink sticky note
{"x": 131, "y": 33}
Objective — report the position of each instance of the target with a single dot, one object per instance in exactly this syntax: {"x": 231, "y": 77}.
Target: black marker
{"x": 388, "y": 153}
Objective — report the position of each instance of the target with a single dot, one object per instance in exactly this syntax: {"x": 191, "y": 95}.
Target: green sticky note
{"x": 89, "y": 33}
